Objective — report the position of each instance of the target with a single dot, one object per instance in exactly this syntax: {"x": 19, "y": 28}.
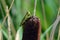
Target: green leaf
{"x": 19, "y": 34}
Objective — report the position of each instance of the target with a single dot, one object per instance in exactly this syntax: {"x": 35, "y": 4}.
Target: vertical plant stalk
{"x": 59, "y": 33}
{"x": 59, "y": 24}
{"x": 1, "y": 35}
{"x": 53, "y": 29}
{"x": 45, "y": 22}
{"x": 54, "y": 26}
{"x": 12, "y": 26}
{"x": 9, "y": 28}
{"x": 43, "y": 9}
{"x": 35, "y": 3}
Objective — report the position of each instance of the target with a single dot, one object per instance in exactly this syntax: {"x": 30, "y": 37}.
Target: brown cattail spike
{"x": 31, "y": 29}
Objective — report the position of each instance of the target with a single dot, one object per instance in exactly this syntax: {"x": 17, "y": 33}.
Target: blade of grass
{"x": 44, "y": 34}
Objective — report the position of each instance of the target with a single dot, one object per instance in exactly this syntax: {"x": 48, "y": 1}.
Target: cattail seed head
{"x": 31, "y": 29}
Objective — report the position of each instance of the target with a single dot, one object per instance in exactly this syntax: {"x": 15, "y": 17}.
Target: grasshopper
{"x": 27, "y": 15}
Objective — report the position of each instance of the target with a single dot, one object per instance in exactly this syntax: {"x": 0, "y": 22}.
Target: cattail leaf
{"x": 1, "y": 35}
{"x": 18, "y": 12}
{"x": 48, "y": 29}
{"x": 51, "y": 11}
{"x": 5, "y": 34}
{"x": 19, "y": 34}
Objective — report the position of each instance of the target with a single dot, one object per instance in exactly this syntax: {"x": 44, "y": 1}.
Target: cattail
{"x": 31, "y": 29}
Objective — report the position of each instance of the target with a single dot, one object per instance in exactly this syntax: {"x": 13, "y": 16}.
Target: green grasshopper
{"x": 27, "y": 15}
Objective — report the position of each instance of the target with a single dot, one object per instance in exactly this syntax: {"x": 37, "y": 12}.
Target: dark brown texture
{"x": 31, "y": 29}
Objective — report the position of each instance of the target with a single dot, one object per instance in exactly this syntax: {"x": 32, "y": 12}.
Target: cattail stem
{"x": 35, "y": 3}
{"x": 9, "y": 24}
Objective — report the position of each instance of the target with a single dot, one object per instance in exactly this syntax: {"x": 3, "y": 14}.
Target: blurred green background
{"x": 46, "y": 11}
